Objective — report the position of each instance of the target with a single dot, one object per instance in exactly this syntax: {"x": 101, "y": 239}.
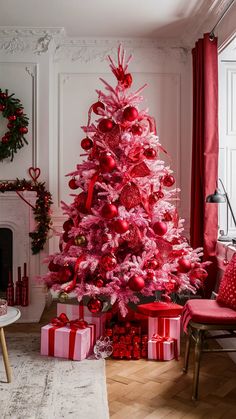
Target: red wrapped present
{"x": 67, "y": 339}
{"x": 74, "y": 311}
{"x": 165, "y": 326}
{"x": 162, "y": 348}
{"x": 160, "y": 309}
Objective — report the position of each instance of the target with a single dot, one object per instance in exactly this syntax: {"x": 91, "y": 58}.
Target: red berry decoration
{"x": 120, "y": 226}
{"x": 136, "y": 283}
{"x": 168, "y": 180}
{"x": 150, "y": 153}
{"x": 11, "y": 118}
{"x": 5, "y": 139}
{"x": 107, "y": 163}
{"x": 130, "y": 114}
{"x": 137, "y": 130}
{"x": 10, "y": 125}
{"x": 95, "y": 305}
{"x": 97, "y": 107}
{"x": 72, "y": 184}
{"x": 108, "y": 262}
{"x": 2, "y": 107}
{"x": 184, "y": 265}
{"x": 109, "y": 211}
{"x": 105, "y": 125}
{"x": 160, "y": 228}
{"x": 86, "y": 143}
{"x": 19, "y": 111}
{"x": 23, "y": 130}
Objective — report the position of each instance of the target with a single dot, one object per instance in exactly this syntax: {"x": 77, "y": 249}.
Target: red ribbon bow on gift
{"x": 159, "y": 338}
{"x": 63, "y": 321}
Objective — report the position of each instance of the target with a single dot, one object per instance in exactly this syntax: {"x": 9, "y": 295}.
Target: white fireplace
{"x": 17, "y": 216}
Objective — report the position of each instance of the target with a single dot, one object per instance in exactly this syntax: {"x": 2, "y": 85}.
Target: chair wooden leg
{"x": 198, "y": 348}
{"x": 187, "y": 351}
{"x": 5, "y": 355}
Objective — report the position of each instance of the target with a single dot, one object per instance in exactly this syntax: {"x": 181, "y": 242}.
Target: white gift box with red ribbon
{"x": 165, "y": 326}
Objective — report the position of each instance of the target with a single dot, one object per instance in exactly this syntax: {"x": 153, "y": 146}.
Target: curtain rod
{"x": 212, "y": 35}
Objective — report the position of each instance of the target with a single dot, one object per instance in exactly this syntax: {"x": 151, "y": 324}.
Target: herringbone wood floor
{"x": 155, "y": 390}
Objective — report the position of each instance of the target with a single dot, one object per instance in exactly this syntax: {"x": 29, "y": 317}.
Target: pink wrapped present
{"x": 67, "y": 339}
{"x": 77, "y": 311}
{"x": 165, "y": 326}
{"x": 162, "y": 348}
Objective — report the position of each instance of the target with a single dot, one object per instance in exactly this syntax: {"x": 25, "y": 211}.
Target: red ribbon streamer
{"x": 72, "y": 283}
{"x": 90, "y": 190}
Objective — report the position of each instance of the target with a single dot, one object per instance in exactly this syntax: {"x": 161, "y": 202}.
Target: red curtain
{"x": 204, "y": 216}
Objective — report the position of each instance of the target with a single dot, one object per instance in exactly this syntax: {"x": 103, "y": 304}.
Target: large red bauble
{"x": 150, "y": 153}
{"x": 160, "y": 228}
{"x": 65, "y": 274}
{"x": 23, "y": 130}
{"x": 130, "y": 114}
{"x": 136, "y": 283}
{"x": 53, "y": 267}
{"x": 136, "y": 129}
{"x": 105, "y": 125}
{"x": 152, "y": 264}
{"x": 108, "y": 262}
{"x": 72, "y": 184}
{"x": 168, "y": 180}
{"x": 120, "y": 226}
{"x": 184, "y": 265}
{"x": 86, "y": 143}
{"x": 95, "y": 305}
{"x": 109, "y": 211}
{"x": 97, "y": 107}
{"x": 107, "y": 163}
{"x": 68, "y": 224}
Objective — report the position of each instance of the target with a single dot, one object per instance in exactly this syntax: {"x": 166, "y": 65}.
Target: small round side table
{"x": 12, "y": 315}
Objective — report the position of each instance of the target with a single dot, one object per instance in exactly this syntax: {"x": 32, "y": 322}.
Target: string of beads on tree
{"x": 14, "y": 139}
{"x": 41, "y": 209}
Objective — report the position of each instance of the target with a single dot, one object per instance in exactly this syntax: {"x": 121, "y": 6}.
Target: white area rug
{"x": 50, "y": 388}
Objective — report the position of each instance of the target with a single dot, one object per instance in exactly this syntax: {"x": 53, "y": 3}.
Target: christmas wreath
{"x": 41, "y": 209}
{"x": 12, "y": 109}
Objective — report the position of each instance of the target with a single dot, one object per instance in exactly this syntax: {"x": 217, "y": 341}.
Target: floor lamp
{"x": 218, "y": 198}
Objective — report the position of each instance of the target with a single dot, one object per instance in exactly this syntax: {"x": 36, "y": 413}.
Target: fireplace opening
{"x": 6, "y": 255}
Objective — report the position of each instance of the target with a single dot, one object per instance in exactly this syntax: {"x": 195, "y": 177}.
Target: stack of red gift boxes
{"x": 152, "y": 332}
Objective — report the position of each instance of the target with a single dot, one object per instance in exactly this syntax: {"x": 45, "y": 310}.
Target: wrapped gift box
{"x": 165, "y": 326}
{"x": 162, "y": 348}
{"x": 76, "y": 311}
{"x": 64, "y": 342}
{"x": 160, "y": 309}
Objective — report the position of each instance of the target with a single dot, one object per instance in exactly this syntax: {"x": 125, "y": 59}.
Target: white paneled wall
{"x": 57, "y": 82}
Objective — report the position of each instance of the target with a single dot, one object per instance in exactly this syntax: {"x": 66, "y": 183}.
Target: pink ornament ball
{"x": 136, "y": 283}
{"x": 160, "y": 228}
{"x": 105, "y": 125}
{"x": 184, "y": 265}
{"x": 109, "y": 211}
{"x": 130, "y": 114}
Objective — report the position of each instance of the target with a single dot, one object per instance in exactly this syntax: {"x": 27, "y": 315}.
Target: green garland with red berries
{"x": 12, "y": 109}
{"x": 41, "y": 209}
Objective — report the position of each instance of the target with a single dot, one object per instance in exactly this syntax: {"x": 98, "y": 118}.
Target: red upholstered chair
{"x": 199, "y": 317}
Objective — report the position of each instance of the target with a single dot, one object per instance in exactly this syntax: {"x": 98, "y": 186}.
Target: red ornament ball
{"x": 168, "y": 180}
{"x": 68, "y": 224}
{"x": 5, "y": 139}
{"x": 130, "y": 114}
{"x": 108, "y": 262}
{"x": 19, "y": 111}
{"x": 2, "y": 107}
{"x": 120, "y": 226}
{"x": 160, "y": 228}
{"x": 53, "y": 267}
{"x": 105, "y": 238}
{"x": 95, "y": 305}
{"x": 155, "y": 196}
{"x": 152, "y": 264}
{"x": 136, "y": 283}
{"x": 65, "y": 274}
{"x": 98, "y": 282}
{"x": 11, "y": 117}
{"x": 23, "y": 130}
{"x": 109, "y": 211}
{"x": 184, "y": 265}
{"x": 10, "y": 125}
{"x": 97, "y": 107}
{"x": 72, "y": 184}
{"x": 167, "y": 216}
{"x": 107, "y": 163}
{"x": 137, "y": 130}
{"x": 86, "y": 143}
{"x": 150, "y": 153}
{"x": 105, "y": 125}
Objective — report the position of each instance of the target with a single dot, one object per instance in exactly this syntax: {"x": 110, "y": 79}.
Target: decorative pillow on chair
{"x": 227, "y": 290}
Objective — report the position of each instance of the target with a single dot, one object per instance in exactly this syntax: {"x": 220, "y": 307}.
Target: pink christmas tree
{"x": 123, "y": 236}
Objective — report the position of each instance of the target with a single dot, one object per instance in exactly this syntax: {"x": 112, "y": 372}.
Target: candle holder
{"x": 3, "y": 307}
